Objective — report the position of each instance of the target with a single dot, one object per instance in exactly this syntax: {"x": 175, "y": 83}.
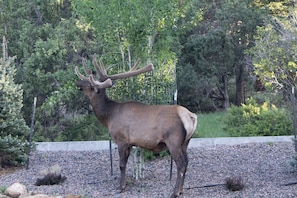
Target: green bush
{"x": 150, "y": 155}
{"x": 254, "y": 119}
{"x": 12, "y": 151}
{"x": 77, "y": 127}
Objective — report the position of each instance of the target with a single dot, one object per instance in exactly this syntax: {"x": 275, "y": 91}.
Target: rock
{"x": 3, "y": 196}
{"x": 18, "y": 190}
{"x": 15, "y": 190}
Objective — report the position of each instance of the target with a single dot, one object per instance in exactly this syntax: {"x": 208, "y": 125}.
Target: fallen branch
{"x": 289, "y": 184}
{"x": 205, "y": 186}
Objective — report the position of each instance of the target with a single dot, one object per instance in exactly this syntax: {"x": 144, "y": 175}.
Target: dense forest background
{"x": 215, "y": 53}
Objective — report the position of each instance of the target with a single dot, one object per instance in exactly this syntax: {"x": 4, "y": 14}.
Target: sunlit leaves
{"x": 139, "y": 29}
{"x": 274, "y": 54}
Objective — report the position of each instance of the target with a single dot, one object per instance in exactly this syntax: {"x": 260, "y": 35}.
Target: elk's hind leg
{"x": 184, "y": 151}
{"x": 181, "y": 160}
{"x": 124, "y": 152}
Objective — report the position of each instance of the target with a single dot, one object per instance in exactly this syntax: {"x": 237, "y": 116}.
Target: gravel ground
{"x": 263, "y": 167}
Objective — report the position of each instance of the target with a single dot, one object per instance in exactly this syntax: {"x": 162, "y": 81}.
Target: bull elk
{"x": 153, "y": 127}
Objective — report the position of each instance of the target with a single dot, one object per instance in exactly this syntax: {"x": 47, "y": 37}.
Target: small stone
{"x": 3, "y": 196}
{"x": 15, "y": 190}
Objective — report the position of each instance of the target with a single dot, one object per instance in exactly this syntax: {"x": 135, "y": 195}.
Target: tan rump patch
{"x": 189, "y": 120}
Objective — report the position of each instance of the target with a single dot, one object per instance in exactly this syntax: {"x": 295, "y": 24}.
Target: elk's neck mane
{"x": 103, "y": 107}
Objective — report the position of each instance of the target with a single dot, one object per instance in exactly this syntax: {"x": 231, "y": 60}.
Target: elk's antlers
{"x": 105, "y": 80}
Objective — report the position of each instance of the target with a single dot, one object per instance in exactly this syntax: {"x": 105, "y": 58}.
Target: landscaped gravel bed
{"x": 264, "y": 168}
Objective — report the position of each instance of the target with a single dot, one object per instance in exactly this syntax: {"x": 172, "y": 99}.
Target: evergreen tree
{"x": 13, "y": 128}
{"x": 11, "y": 100}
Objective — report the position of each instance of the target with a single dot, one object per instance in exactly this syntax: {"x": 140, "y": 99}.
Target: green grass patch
{"x": 210, "y": 125}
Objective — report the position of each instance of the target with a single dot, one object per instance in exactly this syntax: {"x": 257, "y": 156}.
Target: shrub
{"x": 150, "y": 155}
{"x": 51, "y": 176}
{"x": 12, "y": 151}
{"x": 50, "y": 179}
{"x": 234, "y": 183}
{"x": 254, "y": 119}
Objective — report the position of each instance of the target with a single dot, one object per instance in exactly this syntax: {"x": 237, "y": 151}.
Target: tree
{"x": 11, "y": 101}
{"x": 274, "y": 54}
{"x": 138, "y": 29}
{"x": 13, "y": 129}
{"x": 48, "y": 42}
{"x": 215, "y": 49}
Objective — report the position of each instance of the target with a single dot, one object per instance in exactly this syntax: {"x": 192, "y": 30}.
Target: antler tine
{"x": 82, "y": 77}
{"x": 134, "y": 72}
{"x": 87, "y": 71}
{"x": 100, "y": 85}
{"x": 135, "y": 65}
{"x": 100, "y": 69}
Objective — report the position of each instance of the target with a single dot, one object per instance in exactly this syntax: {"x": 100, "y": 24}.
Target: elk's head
{"x": 89, "y": 85}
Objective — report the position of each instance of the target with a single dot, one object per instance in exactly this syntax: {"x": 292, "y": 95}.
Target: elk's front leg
{"x": 124, "y": 151}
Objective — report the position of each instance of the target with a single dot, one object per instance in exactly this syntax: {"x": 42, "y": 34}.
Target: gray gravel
{"x": 264, "y": 168}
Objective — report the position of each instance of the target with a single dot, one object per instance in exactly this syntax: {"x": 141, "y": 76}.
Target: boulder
{"x": 18, "y": 190}
{"x": 15, "y": 190}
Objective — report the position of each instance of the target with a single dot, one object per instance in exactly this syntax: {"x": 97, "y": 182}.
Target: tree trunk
{"x": 226, "y": 93}
{"x": 241, "y": 78}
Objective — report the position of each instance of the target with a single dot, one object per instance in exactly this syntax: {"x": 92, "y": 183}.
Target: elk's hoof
{"x": 174, "y": 195}
{"x": 120, "y": 190}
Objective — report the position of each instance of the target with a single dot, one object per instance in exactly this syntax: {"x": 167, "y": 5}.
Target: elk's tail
{"x": 189, "y": 120}
{"x": 192, "y": 128}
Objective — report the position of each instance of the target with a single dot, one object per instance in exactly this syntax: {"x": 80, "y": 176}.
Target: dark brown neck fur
{"x": 102, "y": 106}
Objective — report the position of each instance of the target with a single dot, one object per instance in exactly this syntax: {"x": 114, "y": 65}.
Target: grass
{"x": 2, "y": 189}
{"x": 210, "y": 125}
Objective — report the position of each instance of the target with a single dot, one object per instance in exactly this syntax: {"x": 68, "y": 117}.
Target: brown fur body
{"x": 153, "y": 127}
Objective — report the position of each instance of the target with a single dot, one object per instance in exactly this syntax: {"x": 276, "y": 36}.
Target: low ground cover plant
{"x": 253, "y": 119}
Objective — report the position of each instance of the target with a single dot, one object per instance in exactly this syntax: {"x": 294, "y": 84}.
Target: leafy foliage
{"x": 150, "y": 155}
{"x": 202, "y": 39}
{"x": 213, "y": 52}
{"x": 12, "y": 151}
{"x": 13, "y": 128}
{"x": 254, "y": 119}
{"x": 11, "y": 102}
{"x": 274, "y": 53}
{"x": 49, "y": 43}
